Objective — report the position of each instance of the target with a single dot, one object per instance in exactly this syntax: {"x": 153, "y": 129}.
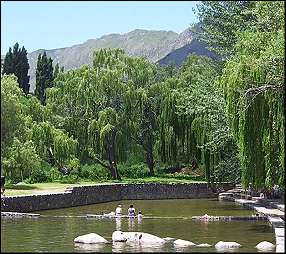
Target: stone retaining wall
{"x": 85, "y": 195}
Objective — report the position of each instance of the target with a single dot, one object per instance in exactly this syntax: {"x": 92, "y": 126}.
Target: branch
{"x": 100, "y": 162}
{"x": 258, "y": 90}
{"x": 93, "y": 156}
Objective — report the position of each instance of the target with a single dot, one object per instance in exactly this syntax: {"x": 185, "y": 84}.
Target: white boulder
{"x": 183, "y": 243}
{"x": 140, "y": 237}
{"x": 227, "y": 245}
{"x": 169, "y": 239}
{"x": 265, "y": 246}
{"x": 203, "y": 245}
{"x": 90, "y": 238}
{"x": 111, "y": 214}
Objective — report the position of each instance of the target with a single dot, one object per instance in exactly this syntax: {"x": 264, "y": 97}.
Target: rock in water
{"x": 119, "y": 236}
{"x": 227, "y": 245}
{"x": 90, "y": 238}
{"x": 203, "y": 245}
{"x": 265, "y": 246}
{"x": 183, "y": 243}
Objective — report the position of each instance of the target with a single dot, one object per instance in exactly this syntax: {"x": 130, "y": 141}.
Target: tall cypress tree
{"x": 44, "y": 76}
{"x": 57, "y": 70}
{"x": 16, "y": 63}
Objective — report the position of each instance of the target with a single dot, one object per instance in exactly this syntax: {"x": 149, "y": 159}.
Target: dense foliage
{"x": 16, "y": 62}
{"x": 125, "y": 117}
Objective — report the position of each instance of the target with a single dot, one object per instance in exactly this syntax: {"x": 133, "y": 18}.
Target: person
{"x": 205, "y": 217}
{"x": 139, "y": 215}
{"x": 118, "y": 211}
{"x": 131, "y": 211}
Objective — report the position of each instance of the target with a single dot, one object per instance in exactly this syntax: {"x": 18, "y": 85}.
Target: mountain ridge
{"x": 153, "y": 45}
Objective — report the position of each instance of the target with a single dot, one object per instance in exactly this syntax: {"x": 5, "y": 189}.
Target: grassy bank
{"x": 40, "y": 188}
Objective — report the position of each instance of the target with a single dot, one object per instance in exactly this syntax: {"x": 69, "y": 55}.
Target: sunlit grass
{"x": 38, "y": 188}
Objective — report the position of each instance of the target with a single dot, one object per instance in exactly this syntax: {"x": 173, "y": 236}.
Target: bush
{"x": 38, "y": 176}
{"x": 54, "y": 175}
{"x": 94, "y": 172}
{"x": 21, "y": 161}
{"x": 69, "y": 179}
{"x": 134, "y": 171}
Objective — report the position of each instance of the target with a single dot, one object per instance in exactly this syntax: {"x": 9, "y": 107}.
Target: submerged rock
{"x": 203, "y": 245}
{"x": 183, "y": 243}
{"x": 227, "y": 245}
{"x": 90, "y": 238}
{"x": 265, "y": 246}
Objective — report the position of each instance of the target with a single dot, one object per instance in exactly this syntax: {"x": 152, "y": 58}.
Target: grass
{"x": 40, "y": 188}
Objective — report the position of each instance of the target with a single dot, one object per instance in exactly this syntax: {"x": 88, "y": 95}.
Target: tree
{"x": 16, "y": 62}
{"x": 253, "y": 82}
{"x": 56, "y": 71}
{"x": 220, "y": 21}
{"x": 44, "y": 76}
{"x": 193, "y": 124}
{"x": 12, "y": 118}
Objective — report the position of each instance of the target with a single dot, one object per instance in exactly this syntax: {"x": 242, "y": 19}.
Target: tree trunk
{"x": 112, "y": 159}
{"x": 150, "y": 158}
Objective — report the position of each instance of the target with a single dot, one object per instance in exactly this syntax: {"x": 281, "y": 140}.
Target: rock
{"x": 111, "y": 214}
{"x": 119, "y": 236}
{"x": 203, "y": 245}
{"x": 169, "y": 238}
{"x": 90, "y": 238}
{"x": 183, "y": 243}
{"x": 227, "y": 245}
{"x": 265, "y": 246}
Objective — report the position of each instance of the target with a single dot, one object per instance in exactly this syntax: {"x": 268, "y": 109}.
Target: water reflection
{"x": 136, "y": 247}
{"x": 131, "y": 223}
{"x": 118, "y": 223}
{"x": 90, "y": 247}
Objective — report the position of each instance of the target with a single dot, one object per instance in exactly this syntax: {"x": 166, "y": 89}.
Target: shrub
{"x": 133, "y": 171}
{"x": 69, "y": 179}
{"x": 94, "y": 172}
{"x": 53, "y": 175}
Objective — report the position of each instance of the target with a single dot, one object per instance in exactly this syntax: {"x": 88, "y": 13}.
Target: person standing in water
{"x": 131, "y": 211}
{"x": 118, "y": 211}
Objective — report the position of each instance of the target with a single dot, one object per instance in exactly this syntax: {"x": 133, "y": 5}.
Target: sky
{"x": 57, "y": 24}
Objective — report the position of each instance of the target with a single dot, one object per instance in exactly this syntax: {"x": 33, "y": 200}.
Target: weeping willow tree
{"x": 253, "y": 82}
{"x": 53, "y": 145}
{"x": 193, "y": 124}
{"x": 142, "y": 105}
{"x": 89, "y": 101}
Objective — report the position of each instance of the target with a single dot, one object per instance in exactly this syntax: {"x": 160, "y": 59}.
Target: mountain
{"x": 152, "y": 45}
{"x": 156, "y": 46}
{"x": 179, "y": 55}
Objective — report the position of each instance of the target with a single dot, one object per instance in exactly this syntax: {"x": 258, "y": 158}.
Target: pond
{"x": 56, "y": 234}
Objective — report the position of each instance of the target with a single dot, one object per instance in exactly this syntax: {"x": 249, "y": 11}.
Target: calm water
{"x": 56, "y": 234}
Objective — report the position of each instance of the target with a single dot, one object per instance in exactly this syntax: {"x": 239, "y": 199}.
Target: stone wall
{"x": 86, "y": 195}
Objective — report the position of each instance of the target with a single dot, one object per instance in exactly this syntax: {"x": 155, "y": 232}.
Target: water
{"x": 56, "y": 234}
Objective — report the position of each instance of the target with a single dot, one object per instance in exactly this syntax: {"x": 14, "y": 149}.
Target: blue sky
{"x": 48, "y": 24}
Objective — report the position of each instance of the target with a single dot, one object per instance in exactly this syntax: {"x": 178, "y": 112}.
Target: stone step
{"x": 281, "y": 207}
{"x": 19, "y": 215}
{"x": 276, "y": 221}
{"x": 269, "y": 211}
{"x": 280, "y": 239}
